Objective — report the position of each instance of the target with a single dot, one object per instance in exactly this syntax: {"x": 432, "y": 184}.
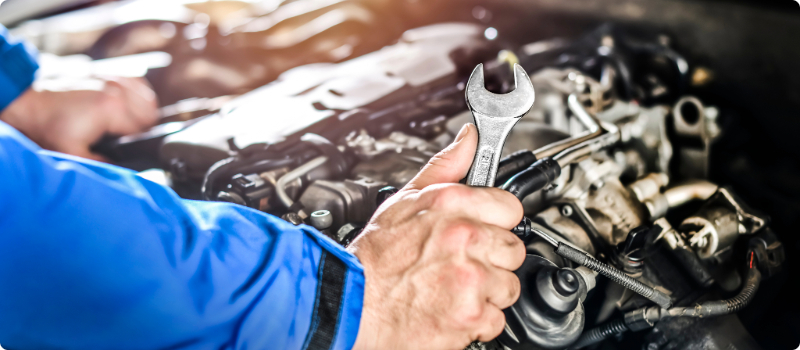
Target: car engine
{"x": 318, "y": 111}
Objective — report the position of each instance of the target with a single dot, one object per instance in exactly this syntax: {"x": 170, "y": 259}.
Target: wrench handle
{"x": 492, "y": 134}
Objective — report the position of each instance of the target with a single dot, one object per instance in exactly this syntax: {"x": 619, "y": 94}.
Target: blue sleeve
{"x": 17, "y": 67}
{"x": 93, "y": 256}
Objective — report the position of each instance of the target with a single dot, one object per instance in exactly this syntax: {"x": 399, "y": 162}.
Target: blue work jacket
{"x": 93, "y": 256}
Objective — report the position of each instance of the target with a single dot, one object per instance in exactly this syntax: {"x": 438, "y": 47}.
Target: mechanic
{"x": 93, "y": 256}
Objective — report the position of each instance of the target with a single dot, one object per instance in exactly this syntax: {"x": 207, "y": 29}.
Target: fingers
{"x": 504, "y": 249}
{"x": 134, "y": 103}
{"x": 141, "y": 99}
{"x": 493, "y": 325}
{"x": 110, "y": 110}
{"x": 484, "y": 292}
{"x": 492, "y": 253}
{"x": 489, "y": 205}
{"x": 502, "y": 288}
{"x": 491, "y": 245}
{"x": 451, "y": 164}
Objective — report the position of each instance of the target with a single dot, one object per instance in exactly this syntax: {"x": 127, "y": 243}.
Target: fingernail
{"x": 463, "y": 132}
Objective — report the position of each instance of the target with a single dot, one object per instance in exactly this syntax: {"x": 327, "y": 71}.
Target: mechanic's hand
{"x": 438, "y": 257}
{"x": 69, "y": 115}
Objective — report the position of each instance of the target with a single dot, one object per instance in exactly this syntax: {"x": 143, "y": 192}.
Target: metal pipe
{"x": 689, "y": 191}
{"x": 280, "y": 186}
{"x": 609, "y": 135}
{"x": 549, "y": 239}
{"x": 598, "y": 136}
{"x": 593, "y": 130}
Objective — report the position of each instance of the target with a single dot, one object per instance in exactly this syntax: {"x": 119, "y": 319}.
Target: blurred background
{"x": 201, "y": 56}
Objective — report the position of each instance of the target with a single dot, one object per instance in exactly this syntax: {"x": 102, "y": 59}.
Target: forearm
{"x": 100, "y": 258}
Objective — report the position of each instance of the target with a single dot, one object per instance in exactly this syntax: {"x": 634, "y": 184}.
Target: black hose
{"x": 723, "y": 307}
{"x": 600, "y": 333}
{"x": 513, "y": 163}
{"x": 747, "y": 294}
{"x": 539, "y": 175}
{"x": 647, "y": 317}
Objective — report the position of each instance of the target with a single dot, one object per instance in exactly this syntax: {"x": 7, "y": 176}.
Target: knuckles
{"x": 514, "y": 290}
{"x": 109, "y": 103}
{"x": 446, "y": 195}
{"x": 470, "y": 314}
{"x": 458, "y": 233}
{"x": 468, "y": 275}
{"x": 498, "y": 323}
{"x": 514, "y": 205}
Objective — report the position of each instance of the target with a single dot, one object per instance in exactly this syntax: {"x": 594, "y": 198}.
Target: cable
{"x": 615, "y": 275}
{"x": 579, "y": 257}
{"x": 723, "y": 307}
{"x": 600, "y": 333}
{"x": 647, "y": 317}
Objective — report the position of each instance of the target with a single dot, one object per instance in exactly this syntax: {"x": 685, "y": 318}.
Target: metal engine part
{"x": 716, "y": 226}
{"x": 383, "y": 123}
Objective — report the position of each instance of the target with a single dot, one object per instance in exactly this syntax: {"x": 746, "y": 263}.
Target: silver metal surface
{"x": 549, "y": 239}
{"x": 602, "y": 135}
{"x": 495, "y": 115}
{"x": 593, "y": 131}
{"x": 692, "y": 119}
{"x": 598, "y": 135}
{"x": 294, "y": 174}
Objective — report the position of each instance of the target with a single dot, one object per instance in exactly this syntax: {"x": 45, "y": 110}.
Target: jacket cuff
{"x": 17, "y": 68}
{"x": 350, "y": 315}
{"x": 339, "y": 301}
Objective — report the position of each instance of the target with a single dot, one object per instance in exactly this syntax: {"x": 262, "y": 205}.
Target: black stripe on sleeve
{"x": 330, "y": 290}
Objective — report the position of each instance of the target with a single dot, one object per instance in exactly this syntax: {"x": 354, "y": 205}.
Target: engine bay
{"x": 672, "y": 182}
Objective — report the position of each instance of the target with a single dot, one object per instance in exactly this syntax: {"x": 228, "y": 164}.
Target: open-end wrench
{"x": 495, "y": 115}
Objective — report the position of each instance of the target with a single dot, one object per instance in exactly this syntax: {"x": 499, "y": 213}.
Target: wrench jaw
{"x": 514, "y": 104}
{"x": 495, "y": 115}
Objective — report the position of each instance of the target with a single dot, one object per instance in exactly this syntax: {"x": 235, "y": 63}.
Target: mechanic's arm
{"x": 68, "y": 114}
{"x": 94, "y": 257}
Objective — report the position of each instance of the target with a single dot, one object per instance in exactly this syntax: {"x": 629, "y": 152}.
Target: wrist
{"x": 18, "y": 113}
{"x": 370, "y": 328}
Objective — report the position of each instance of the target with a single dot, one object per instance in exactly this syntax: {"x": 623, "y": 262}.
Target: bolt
{"x": 292, "y": 218}
{"x": 321, "y": 219}
{"x": 566, "y": 210}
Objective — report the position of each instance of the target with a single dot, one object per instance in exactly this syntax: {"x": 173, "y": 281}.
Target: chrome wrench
{"x": 494, "y": 115}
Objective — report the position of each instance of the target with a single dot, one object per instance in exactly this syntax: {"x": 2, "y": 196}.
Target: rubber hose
{"x": 706, "y": 309}
{"x": 723, "y": 307}
{"x": 600, "y": 333}
{"x": 536, "y": 177}
{"x": 747, "y": 294}
{"x": 514, "y": 163}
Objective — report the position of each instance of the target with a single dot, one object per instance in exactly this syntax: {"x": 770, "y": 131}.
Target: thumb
{"x": 451, "y": 164}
